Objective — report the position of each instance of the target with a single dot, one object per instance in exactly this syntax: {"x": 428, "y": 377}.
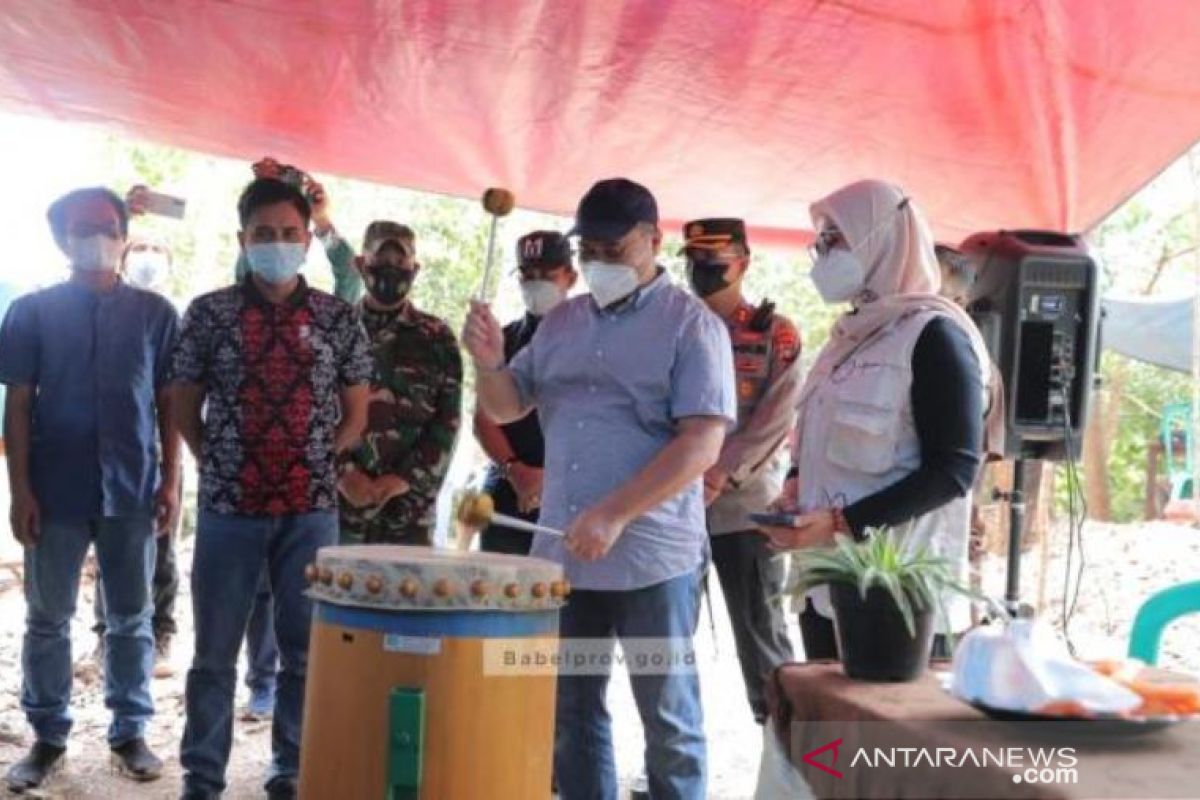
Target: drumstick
{"x": 498, "y": 203}
{"x": 477, "y": 510}
{"x": 520, "y": 524}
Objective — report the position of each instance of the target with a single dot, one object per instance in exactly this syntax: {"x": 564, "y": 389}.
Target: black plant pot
{"x": 872, "y": 639}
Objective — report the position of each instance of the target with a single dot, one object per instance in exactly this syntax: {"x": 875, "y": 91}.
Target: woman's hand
{"x": 812, "y": 530}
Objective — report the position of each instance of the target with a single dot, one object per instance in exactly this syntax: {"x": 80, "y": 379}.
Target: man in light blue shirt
{"x": 634, "y": 387}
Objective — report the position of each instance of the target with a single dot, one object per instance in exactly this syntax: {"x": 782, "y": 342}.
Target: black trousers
{"x": 820, "y": 640}
{"x": 751, "y": 580}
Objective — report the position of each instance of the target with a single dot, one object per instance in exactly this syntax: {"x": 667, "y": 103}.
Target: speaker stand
{"x": 1016, "y": 525}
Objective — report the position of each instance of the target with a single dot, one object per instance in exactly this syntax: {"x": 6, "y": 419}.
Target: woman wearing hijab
{"x": 891, "y": 416}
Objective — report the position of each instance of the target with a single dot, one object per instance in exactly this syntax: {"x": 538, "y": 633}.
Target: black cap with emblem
{"x": 543, "y": 249}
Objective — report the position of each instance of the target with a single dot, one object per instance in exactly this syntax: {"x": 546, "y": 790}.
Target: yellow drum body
{"x": 411, "y": 689}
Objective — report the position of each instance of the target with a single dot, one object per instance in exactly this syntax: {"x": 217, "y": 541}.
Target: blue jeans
{"x": 262, "y": 654}
{"x": 125, "y": 548}
{"x": 669, "y": 704}
{"x": 226, "y": 569}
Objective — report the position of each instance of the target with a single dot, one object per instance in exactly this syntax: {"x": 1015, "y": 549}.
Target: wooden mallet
{"x": 476, "y": 511}
{"x": 498, "y": 203}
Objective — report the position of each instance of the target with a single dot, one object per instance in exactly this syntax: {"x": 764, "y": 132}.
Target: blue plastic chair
{"x": 1156, "y": 614}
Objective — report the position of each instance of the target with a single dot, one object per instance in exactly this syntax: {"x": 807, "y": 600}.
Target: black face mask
{"x": 708, "y": 277}
{"x": 388, "y": 285}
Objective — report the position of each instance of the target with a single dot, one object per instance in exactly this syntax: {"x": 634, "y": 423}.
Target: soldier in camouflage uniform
{"x": 390, "y": 482}
{"x": 750, "y": 470}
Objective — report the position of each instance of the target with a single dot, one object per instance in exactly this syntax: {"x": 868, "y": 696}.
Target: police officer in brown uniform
{"x": 750, "y": 471}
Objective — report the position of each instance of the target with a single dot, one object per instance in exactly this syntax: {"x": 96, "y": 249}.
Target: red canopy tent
{"x": 992, "y": 113}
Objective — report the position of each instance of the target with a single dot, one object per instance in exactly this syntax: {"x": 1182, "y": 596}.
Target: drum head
{"x": 404, "y": 578}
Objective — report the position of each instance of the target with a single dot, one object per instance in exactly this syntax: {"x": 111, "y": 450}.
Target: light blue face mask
{"x": 277, "y": 262}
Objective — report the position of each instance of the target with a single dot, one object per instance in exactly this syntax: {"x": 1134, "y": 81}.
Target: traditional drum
{"x": 412, "y": 690}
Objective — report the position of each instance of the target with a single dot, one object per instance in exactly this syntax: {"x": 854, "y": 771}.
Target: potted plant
{"x": 886, "y": 598}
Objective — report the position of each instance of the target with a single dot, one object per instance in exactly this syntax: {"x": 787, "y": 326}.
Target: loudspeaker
{"x": 1036, "y": 300}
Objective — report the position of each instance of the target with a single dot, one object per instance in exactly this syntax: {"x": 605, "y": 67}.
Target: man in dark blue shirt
{"x": 86, "y": 365}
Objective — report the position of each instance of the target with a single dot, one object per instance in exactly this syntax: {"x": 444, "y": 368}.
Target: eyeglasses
{"x": 827, "y": 239}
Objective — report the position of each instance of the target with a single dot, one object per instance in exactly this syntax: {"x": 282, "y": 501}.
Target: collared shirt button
{"x": 579, "y": 425}
{"x": 574, "y": 468}
{"x": 574, "y": 509}
{"x": 592, "y": 388}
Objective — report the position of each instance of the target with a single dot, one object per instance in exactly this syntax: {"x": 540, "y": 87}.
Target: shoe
{"x": 197, "y": 793}
{"x": 133, "y": 759}
{"x": 640, "y": 788}
{"x": 281, "y": 789}
{"x": 261, "y": 705}
{"x": 42, "y": 761}
{"x": 163, "y": 668}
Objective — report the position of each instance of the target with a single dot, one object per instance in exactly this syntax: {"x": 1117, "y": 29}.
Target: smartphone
{"x": 776, "y": 519}
{"x": 164, "y": 205}
{"x": 289, "y": 174}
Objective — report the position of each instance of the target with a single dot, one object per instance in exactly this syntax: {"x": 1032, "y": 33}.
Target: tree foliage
{"x": 1146, "y": 246}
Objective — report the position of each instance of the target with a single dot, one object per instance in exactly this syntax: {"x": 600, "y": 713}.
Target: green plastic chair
{"x": 1156, "y": 614}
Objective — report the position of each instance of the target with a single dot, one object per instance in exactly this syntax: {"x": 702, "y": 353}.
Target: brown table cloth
{"x": 913, "y": 740}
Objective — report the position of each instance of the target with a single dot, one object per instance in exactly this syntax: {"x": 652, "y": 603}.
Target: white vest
{"x": 858, "y": 437}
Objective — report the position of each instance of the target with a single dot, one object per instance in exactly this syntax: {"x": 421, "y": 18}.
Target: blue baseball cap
{"x": 611, "y": 208}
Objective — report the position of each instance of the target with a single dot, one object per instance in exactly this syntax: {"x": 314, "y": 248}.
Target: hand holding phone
{"x": 142, "y": 200}
{"x": 776, "y": 519}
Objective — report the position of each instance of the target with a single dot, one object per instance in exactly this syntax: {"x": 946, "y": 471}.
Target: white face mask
{"x": 96, "y": 253}
{"x": 541, "y": 296}
{"x": 609, "y": 282}
{"x": 839, "y": 275}
{"x": 146, "y": 269}
{"x": 276, "y": 262}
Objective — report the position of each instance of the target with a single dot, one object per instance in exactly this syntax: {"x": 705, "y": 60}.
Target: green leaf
{"x": 915, "y": 577}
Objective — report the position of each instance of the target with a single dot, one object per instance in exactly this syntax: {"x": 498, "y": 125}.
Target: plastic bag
{"x": 777, "y": 778}
{"x": 1024, "y": 666}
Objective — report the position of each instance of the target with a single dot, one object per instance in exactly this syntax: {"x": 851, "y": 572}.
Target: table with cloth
{"x": 852, "y": 729}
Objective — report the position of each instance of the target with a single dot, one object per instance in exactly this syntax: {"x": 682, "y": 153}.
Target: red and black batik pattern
{"x": 272, "y": 374}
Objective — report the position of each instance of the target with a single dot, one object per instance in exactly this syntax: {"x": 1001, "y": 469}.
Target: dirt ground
{"x": 733, "y": 737}
{"x": 1125, "y": 564}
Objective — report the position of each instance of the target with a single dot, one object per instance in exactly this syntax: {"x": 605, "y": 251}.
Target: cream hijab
{"x": 890, "y": 237}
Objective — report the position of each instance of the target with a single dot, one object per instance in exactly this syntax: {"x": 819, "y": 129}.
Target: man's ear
{"x": 242, "y": 240}
{"x": 360, "y": 264}
{"x": 743, "y": 266}
{"x": 656, "y": 239}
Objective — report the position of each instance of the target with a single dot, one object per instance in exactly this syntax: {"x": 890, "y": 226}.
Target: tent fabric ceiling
{"x": 992, "y": 113}
{"x": 1156, "y": 331}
